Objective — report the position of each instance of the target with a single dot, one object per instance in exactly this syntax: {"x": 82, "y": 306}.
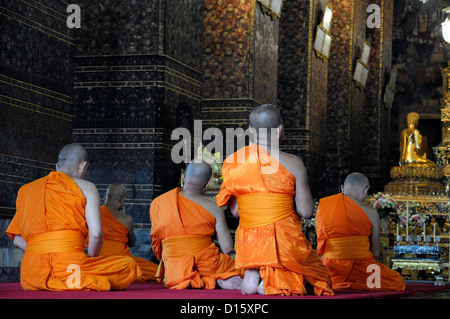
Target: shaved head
{"x": 73, "y": 160}
{"x": 265, "y": 120}
{"x": 115, "y": 192}
{"x": 198, "y": 173}
{"x": 72, "y": 155}
{"x": 265, "y": 116}
{"x": 356, "y": 179}
{"x": 356, "y": 185}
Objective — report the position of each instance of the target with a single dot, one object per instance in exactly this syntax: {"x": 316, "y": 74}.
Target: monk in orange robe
{"x": 53, "y": 217}
{"x": 183, "y": 222}
{"x": 118, "y": 231}
{"x": 348, "y": 240}
{"x": 268, "y": 191}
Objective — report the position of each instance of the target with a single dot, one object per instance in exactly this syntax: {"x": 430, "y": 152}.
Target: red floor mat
{"x": 152, "y": 290}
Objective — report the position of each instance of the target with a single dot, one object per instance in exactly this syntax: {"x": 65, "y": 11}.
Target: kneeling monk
{"x": 53, "y": 217}
{"x": 183, "y": 222}
{"x": 348, "y": 240}
{"x": 118, "y": 231}
{"x": 268, "y": 193}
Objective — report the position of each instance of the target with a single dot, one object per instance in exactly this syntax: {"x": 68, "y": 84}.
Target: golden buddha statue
{"x": 411, "y": 150}
{"x": 416, "y": 176}
{"x": 213, "y": 159}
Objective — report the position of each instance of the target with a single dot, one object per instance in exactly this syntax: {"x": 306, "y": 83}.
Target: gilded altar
{"x": 416, "y": 182}
{"x": 421, "y": 188}
{"x": 407, "y": 248}
{"x": 416, "y": 242}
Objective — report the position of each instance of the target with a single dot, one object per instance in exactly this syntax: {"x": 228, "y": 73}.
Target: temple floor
{"x": 153, "y": 290}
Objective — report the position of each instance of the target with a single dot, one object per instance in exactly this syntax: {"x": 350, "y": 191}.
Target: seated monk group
{"x": 266, "y": 189}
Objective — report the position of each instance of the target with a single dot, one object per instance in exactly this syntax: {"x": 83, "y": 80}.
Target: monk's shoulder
{"x": 292, "y": 163}
{"x": 86, "y": 187}
{"x": 209, "y": 204}
{"x": 368, "y": 208}
{"x": 371, "y": 212}
{"x": 291, "y": 158}
{"x": 204, "y": 201}
{"x": 125, "y": 220}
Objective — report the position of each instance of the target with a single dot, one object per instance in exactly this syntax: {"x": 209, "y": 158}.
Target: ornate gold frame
{"x": 362, "y": 64}
{"x": 325, "y": 40}
{"x": 267, "y": 8}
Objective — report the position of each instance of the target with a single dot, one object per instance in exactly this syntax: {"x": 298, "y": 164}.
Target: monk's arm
{"x": 154, "y": 234}
{"x": 304, "y": 202}
{"x": 129, "y": 223}
{"x": 233, "y": 206}
{"x": 375, "y": 236}
{"x": 19, "y": 242}
{"x": 92, "y": 214}
{"x": 222, "y": 232}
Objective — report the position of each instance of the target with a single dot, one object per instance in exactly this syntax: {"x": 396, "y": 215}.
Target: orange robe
{"x": 343, "y": 231}
{"x": 269, "y": 235}
{"x": 50, "y": 218}
{"x": 115, "y": 242}
{"x": 181, "y": 240}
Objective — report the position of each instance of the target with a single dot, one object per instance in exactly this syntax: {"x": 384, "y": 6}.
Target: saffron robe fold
{"x": 343, "y": 231}
{"x": 269, "y": 235}
{"x": 50, "y": 218}
{"x": 115, "y": 242}
{"x": 181, "y": 239}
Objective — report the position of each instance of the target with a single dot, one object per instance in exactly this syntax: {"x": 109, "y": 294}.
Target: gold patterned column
{"x": 441, "y": 152}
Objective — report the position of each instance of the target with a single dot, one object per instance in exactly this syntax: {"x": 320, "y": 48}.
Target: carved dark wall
{"x": 114, "y": 27}
{"x": 228, "y": 49}
{"x": 36, "y": 84}
{"x": 293, "y": 63}
{"x": 136, "y": 62}
{"x": 265, "y": 58}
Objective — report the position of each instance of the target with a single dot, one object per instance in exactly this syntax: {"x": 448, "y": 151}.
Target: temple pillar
{"x": 301, "y": 75}
{"x": 354, "y": 112}
{"x": 240, "y": 64}
{"x": 377, "y": 115}
{"x": 340, "y": 86}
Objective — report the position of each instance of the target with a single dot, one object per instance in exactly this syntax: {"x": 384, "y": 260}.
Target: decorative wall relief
{"x": 36, "y": 84}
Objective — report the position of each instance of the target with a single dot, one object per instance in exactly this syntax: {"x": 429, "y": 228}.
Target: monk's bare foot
{"x": 260, "y": 289}
{"x": 233, "y": 283}
{"x": 250, "y": 282}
